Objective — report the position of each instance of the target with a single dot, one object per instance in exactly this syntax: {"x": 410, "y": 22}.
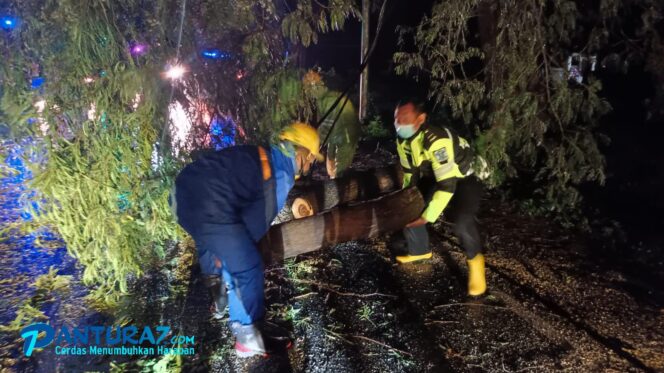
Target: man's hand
{"x": 417, "y": 223}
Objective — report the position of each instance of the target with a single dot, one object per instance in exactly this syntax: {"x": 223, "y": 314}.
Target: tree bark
{"x": 364, "y": 78}
{"x": 346, "y": 223}
{"x": 355, "y": 186}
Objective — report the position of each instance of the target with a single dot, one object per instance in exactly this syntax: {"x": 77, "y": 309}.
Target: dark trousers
{"x": 461, "y": 212}
{"x": 231, "y": 236}
{"x": 242, "y": 268}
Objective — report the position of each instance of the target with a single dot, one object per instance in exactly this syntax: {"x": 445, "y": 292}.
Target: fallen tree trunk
{"x": 356, "y": 186}
{"x": 346, "y": 223}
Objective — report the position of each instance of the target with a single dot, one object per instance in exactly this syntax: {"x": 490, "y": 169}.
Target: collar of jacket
{"x": 419, "y": 130}
{"x": 287, "y": 149}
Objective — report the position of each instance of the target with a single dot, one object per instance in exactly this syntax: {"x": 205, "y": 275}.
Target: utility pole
{"x": 364, "y": 78}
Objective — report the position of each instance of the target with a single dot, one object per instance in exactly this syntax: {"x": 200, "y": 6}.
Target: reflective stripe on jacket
{"x": 438, "y": 153}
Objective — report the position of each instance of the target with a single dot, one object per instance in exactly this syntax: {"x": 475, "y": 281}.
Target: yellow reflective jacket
{"x": 439, "y": 153}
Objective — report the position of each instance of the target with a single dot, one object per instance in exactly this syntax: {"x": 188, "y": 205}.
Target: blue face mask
{"x": 405, "y": 131}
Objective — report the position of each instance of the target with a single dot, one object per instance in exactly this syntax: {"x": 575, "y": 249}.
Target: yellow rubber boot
{"x": 476, "y": 277}
{"x": 412, "y": 258}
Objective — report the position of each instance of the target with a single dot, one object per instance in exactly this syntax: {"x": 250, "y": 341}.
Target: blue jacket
{"x": 226, "y": 187}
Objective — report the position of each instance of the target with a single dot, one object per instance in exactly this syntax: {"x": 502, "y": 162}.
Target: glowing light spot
{"x": 40, "y": 105}
{"x": 180, "y": 126}
{"x": 36, "y": 82}
{"x": 92, "y": 112}
{"x": 137, "y": 101}
{"x": 138, "y": 49}
{"x": 175, "y": 72}
{"x": 215, "y": 54}
{"x": 8, "y": 23}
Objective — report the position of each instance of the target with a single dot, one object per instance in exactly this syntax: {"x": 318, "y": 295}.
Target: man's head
{"x": 409, "y": 117}
{"x": 313, "y": 84}
{"x": 306, "y": 141}
{"x": 312, "y": 78}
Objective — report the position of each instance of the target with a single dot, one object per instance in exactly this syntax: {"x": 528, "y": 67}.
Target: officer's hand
{"x": 417, "y": 223}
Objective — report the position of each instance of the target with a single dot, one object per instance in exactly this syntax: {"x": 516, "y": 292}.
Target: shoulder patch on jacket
{"x": 433, "y": 133}
{"x": 441, "y": 155}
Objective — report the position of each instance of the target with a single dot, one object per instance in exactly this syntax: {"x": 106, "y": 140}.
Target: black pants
{"x": 461, "y": 212}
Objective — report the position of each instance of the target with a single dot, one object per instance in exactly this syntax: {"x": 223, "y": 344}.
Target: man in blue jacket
{"x": 226, "y": 200}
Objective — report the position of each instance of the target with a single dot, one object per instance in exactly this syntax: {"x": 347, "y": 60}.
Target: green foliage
{"x": 308, "y": 102}
{"x": 291, "y": 314}
{"x": 342, "y": 142}
{"x": 376, "y": 129}
{"x": 25, "y": 316}
{"x": 298, "y": 270}
{"x": 97, "y": 187}
{"x": 52, "y": 282}
{"x": 169, "y": 363}
{"x": 501, "y": 82}
{"x": 365, "y": 313}
{"x": 29, "y": 312}
{"x": 102, "y": 111}
{"x": 303, "y": 23}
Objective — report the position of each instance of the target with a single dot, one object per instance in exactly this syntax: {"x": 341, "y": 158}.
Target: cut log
{"x": 355, "y": 186}
{"x": 302, "y": 208}
{"x": 342, "y": 224}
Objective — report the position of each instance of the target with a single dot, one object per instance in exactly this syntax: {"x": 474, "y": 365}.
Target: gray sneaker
{"x": 217, "y": 289}
{"x": 248, "y": 340}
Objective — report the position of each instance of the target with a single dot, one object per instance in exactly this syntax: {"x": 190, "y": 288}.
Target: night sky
{"x": 635, "y": 161}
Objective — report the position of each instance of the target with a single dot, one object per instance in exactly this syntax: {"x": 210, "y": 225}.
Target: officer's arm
{"x": 405, "y": 166}
{"x": 442, "y": 162}
{"x": 407, "y": 176}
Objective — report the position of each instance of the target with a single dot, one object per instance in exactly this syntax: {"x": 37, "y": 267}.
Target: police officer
{"x": 226, "y": 200}
{"x": 438, "y": 162}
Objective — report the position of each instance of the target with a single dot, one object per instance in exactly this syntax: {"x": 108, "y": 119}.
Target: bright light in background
{"x": 8, "y": 23}
{"x": 43, "y": 125}
{"x": 88, "y": 80}
{"x": 215, "y": 54}
{"x": 40, "y": 105}
{"x": 137, "y": 101}
{"x": 92, "y": 112}
{"x": 180, "y": 126}
{"x": 36, "y": 82}
{"x": 138, "y": 49}
{"x": 175, "y": 72}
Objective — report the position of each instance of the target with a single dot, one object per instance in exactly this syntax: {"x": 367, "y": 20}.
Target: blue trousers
{"x": 242, "y": 268}
{"x": 223, "y": 202}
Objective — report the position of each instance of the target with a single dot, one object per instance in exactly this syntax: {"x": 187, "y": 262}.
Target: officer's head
{"x": 306, "y": 141}
{"x": 409, "y": 116}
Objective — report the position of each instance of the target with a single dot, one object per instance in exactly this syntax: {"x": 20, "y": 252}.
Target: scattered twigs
{"x": 329, "y": 287}
{"x": 381, "y": 344}
{"x": 346, "y": 338}
{"x": 334, "y": 335}
{"x": 341, "y": 293}
{"x": 302, "y": 296}
{"x": 440, "y": 322}
{"x": 471, "y": 305}
{"x": 538, "y": 367}
{"x": 365, "y": 295}
{"x": 276, "y": 269}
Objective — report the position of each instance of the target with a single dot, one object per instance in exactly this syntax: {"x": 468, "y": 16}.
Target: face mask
{"x": 405, "y": 131}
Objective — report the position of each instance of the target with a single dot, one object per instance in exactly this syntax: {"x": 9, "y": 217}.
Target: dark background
{"x": 633, "y": 191}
